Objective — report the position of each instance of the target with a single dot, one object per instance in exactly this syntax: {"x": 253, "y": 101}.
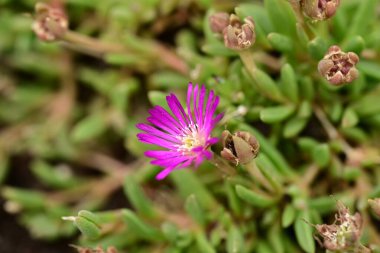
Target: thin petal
{"x": 209, "y": 103}
{"x": 164, "y": 173}
{"x": 216, "y": 120}
{"x": 170, "y": 161}
{"x": 188, "y": 101}
{"x": 159, "y": 123}
{"x": 162, "y": 154}
{"x": 159, "y": 111}
{"x": 154, "y": 131}
{"x": 177, "y": 109}
{"x": 200, "y": 105}
{"x": 212, "y": 141}
{"x": 209, "y": 113}
{"x": 150, "y": 139}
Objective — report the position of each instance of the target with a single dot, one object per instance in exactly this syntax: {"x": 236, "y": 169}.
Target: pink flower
{"x": 186, "y": 137}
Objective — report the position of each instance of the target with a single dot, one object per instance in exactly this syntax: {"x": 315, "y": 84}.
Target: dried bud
{"x": 319, "y": 9}
{"x": 241, "y": 147}
{"x": 375, "y": 205}
{"x": 239, "y": 36}
{"x": 339, "y": 67}
{"x": 344, "y": 234}
{"x": 50, "y": 22}
{"x": 98, "y": 249}
{"x": 219, "y": 21}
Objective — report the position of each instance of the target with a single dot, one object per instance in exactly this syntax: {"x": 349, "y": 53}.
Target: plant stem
{"x": 97, "y": 48}
{"x": 256, "y": 173}
{"x": 223, "y": 165}
{"x": 331, "y": 131}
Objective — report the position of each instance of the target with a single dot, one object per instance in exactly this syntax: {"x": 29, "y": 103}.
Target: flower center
{"x": 191, "y": 139}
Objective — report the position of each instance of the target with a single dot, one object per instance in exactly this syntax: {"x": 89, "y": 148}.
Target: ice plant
{"x": 240, "y": 147}
{"x": 339, "y": 67}
{"x": 186, "y": 136}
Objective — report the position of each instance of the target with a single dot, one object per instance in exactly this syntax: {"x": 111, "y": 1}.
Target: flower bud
{"x": 339, "y": 67}
{"x": 319, "y": 9}
{"x": 50, "y": 22}
{"x": 87, "y": 223}
{"x": 219, "y": 21}
{"x": 375, "y": 205}
{"x": 98, "y": 249}
{"x": 241, "y": 147}
{"x": 344, "y": 234}
{"x": 238, "y": 35}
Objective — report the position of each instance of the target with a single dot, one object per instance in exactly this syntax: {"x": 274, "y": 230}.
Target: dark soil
{"x": 16, "y": 239}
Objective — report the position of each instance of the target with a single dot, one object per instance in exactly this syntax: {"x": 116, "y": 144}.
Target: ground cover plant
{"x": 190, "y": 126}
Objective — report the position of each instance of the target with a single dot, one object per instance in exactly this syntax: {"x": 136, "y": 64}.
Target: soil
{"x": 16, "y": 239}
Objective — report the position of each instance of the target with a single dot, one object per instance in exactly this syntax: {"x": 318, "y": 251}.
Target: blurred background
{"x": 72, "y": 91}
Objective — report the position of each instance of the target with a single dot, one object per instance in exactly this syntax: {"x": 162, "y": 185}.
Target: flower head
{"x": 319, "y": 9}
{"x": 50, "y": 22}
{"x": 339, "y": 67}
{"x": 186, "y": 136}
{"x": 239, "y": 35}
{"x": 344, "y": 234}
{"x": 241, "y": 147}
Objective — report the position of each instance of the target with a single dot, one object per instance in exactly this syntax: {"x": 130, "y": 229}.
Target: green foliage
{"x": 68, "y": 111}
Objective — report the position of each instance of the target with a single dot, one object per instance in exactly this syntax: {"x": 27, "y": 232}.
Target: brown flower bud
{"x": 238, "y": 35}
{"x": 319, "y": 9}
{"x": 50, "y": 22}
{"x": 375, "y": 205}
{"x": 241, "y": 147}
{"x": 219, "y": 21}
{"x": 339, "y": 67}
{"x": 98, "y": 249}
{"x": 344, "y": 234}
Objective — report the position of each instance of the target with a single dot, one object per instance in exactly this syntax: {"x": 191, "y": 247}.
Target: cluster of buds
{"x": 50, "y": 22}
{"x": 344, "y": 234}
{"x": 237, "y": 35}
{"x": 375, "y": 205}
{"x": 339, "y": 67}
{"x": 241, "y": 147}
{"x": 319, "y": 9}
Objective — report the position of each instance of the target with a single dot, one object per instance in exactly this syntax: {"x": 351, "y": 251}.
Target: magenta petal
{"x": 200, "y": 105}
{"x": 164, "y": 126}
{"x": 164, "y": 173}
{"x": 154, "y": 131}
{"x": 207, "y": 154}
{"x": 188, "y": 101}
{"x": 158, "y": 111}
{"x": 177, "y": 109}
{"x": 174, "y": 161}
{"x": 150, "y": 139}
{"x": 162, "y": 154}
{"x": 212, "y": 141}
{"x": 210, "y": 110}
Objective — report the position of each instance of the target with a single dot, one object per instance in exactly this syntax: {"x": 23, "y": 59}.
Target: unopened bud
{"x": 319, "y": 9}
{"x": 339, "y": 67}
{"x": 375, "y": 205}
{"x": 50, "y": 23}
{"x": 241, "y": 147}
{"x": 238, "y": 35}
{"x": 219, "y": 21}
{"x": 87, "y": 223}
